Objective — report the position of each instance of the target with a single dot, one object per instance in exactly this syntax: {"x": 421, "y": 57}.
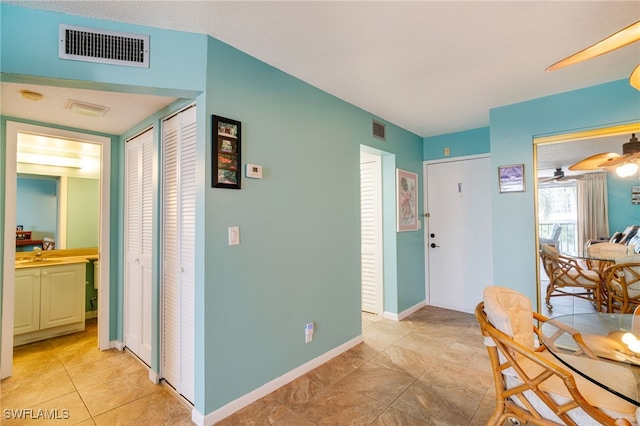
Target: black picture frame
{"x": 226, "y": 160}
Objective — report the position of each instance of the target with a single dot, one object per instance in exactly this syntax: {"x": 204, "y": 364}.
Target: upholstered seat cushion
{"x": 588, "y": 276}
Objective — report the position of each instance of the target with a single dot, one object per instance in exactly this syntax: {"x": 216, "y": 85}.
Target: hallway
{"x": 431, "y": 368}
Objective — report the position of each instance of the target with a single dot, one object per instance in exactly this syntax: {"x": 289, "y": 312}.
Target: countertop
{"x": 56, "y": 257}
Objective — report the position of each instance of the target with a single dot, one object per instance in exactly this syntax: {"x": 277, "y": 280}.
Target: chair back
{"x": 555, "y": 232}
{"x": 622, "y": 281}
{"x": 526, "y": 381}
{"x": 510, "y": 312}
{"x": 48, "y": 243}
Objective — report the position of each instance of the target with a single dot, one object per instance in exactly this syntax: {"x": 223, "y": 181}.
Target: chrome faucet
{"x": 37, "y": 253}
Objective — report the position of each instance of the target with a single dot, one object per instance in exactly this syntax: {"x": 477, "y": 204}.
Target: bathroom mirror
{"x": 558, "y": 204}
{"x": 57, "y": 193}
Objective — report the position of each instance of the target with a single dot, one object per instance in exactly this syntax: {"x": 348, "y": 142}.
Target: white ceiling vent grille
{"x": 107, "y": 47}
{"x": 379, "y": 130}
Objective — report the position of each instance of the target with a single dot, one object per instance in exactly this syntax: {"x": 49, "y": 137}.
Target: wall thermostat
{"x": 253, "y": 171}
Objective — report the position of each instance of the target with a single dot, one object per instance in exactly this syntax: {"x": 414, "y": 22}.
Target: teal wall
{"x": 83, "y": 212}
{"x": 298, "y": 260}
{"x": 621, "y": 212}
{"x": 468, "y": 142}
{"x": 37, "y": 205}
{"x": 513, "y": 128}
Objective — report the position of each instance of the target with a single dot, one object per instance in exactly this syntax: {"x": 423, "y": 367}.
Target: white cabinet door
{"x": 178, "y": 250}
{"x": 62, "y": 295}
{"x": 138, "y": 244}
{"x": 370, "y": 236}
{"x": 27, "y": 301}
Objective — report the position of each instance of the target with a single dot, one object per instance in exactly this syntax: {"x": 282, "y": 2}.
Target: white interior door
{"x": 371, "y": 233}
{"x": 178, "y": 251}
{"x": 138, "y": 244}
{"x": 459, "y": 243}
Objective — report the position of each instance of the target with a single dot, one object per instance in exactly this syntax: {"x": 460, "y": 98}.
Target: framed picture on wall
{"x": 407, "y": 200}
{"x": 511, "y": 178}
{"x": 225, "y": 148}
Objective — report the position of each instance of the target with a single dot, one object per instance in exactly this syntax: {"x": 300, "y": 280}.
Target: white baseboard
{"x": 154, "y": 376}
{"x": 264, "y": 390}
{"x": 404, "y": 314}
{"x": 116, "y": 344}
{"x": 91, "y": 314}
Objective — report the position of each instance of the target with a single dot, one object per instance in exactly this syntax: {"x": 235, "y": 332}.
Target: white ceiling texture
{"x": 431, "y": 67}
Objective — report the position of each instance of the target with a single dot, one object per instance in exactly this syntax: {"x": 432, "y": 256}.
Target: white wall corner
{"x": 404, "y": 314}
{"x": 154, "y": 376}
{"x": 116, "y": 344}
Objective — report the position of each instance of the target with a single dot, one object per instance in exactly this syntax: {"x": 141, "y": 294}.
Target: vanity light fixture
{"x": 84, "y": 108}
{"x": 49, "y": 160}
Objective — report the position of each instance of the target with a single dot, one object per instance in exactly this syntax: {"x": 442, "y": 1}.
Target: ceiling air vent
{"x": 379, "y": 130}
{"x": 107, "y": 47}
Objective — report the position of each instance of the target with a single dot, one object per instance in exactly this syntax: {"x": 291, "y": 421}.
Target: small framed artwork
{"x": 511, "y": 178}
{"x": 407, "y": 200}
{"x": 226, "y": 161}
{"x": 635, "y": 195}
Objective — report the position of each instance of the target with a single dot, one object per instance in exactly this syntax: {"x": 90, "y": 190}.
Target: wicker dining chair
{"x": 529, "y": 384}
{"x": 622, "y": 281}
{"x": 568, "y": 278}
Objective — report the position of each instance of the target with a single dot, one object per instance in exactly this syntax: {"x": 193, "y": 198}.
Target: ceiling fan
{"x": 619, "y": 39}
{"x": 558, "y": 176}
{"x": 611, "y": 161}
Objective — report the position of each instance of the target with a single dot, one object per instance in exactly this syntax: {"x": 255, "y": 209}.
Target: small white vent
{"x": 379, "y": 130}
{"x": 107, "y": 47}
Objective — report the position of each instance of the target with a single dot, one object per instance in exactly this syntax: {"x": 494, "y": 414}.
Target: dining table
{"x": 600, "y": 337}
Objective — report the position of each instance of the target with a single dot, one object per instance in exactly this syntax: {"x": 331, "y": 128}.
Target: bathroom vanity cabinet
{"x": 49, "y": 301}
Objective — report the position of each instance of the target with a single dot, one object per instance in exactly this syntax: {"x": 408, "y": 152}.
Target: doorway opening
{"x": 14, "y": 132}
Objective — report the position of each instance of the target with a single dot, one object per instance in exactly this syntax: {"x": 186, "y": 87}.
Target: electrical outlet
{"x": 308, "y": 332}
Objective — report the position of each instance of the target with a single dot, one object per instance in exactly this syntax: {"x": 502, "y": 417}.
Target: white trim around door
{"x": 8, "y": 279}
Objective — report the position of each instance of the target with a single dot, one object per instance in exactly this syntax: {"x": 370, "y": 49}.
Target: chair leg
{"x": 499, "y": 415}
{"x": 548, "y": 296}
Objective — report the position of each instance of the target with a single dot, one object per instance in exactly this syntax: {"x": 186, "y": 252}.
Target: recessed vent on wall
{"x": 107, "y": 47}
{"x": 379, "y": 130}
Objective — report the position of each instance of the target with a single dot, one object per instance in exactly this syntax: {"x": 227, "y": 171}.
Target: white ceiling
{"x": 431, "y": 67}
{"x": 125, "y": 110}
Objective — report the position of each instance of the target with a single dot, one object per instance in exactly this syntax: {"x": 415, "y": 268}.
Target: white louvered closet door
{"x": 178, "y": 251}
{"x": 370, "y": 236}
{"x": 138, "y": 244}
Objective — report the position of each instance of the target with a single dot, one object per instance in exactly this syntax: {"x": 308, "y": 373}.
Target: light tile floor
{"x": 429, "y": 369}
{"x": 68, "y": 381}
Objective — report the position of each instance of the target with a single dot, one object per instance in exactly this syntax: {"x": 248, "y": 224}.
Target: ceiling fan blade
{"x": 593, "y": 162}
{"x": 634, "y": 79}
{"x": 622, "y": 38}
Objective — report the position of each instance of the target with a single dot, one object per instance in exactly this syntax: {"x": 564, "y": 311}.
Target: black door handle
{"x": 433, "y": 245}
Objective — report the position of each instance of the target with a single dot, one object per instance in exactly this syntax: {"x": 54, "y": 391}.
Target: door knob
{"x": 433, "y": 245}
{"x": 432, "y": 235}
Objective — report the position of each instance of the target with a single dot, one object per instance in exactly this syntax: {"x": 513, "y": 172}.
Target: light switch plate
{"x": 234, "y": 235}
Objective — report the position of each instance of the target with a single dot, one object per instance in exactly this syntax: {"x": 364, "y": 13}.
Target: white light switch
{"x": 234, "y": 235}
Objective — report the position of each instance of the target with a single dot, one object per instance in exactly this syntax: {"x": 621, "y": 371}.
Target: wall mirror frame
{"x": 578, "y": 140}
